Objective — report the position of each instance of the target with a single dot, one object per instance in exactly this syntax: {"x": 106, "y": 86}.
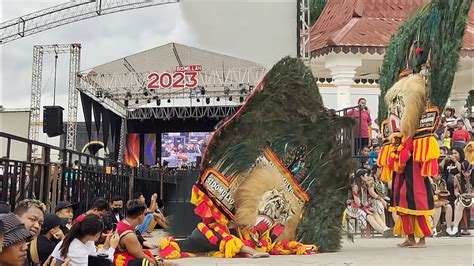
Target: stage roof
{"x": 124, "y": 80}
{"x": 168, "y": 56}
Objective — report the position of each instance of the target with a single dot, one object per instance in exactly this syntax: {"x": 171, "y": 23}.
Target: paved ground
{"x": 445, "y": 251}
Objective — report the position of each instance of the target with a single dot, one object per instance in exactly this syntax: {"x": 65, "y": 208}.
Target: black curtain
{"x": 115, "y": 126}
{"x": 105, "y": 126}
{"x": 87, "y": 109}
{"x": 97, "y": 115}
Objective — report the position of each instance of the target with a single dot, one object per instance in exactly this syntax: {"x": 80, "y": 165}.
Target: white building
{"x": 348, "y": 44}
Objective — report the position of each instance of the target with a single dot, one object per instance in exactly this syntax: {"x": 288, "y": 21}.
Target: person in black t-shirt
{"x": 50, "y": 234}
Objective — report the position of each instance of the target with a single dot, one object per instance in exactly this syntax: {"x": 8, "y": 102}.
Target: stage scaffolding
{"x": 220, "y": 93}
{"x": 74, "y": 51}
{"x": 167, "y": 113}
{"x": 66, "y": 13}
{"x": 113, "y": 90}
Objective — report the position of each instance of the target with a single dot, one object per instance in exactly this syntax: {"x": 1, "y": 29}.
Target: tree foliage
{"x": 316, "y": 8}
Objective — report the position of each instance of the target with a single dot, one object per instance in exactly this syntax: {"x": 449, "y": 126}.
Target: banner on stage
{"x": 184, "y": 77}
{"x": 132, "y": 152}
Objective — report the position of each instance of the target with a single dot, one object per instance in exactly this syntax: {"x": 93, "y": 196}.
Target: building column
{"x": 458, "y": 102}
{"x": 462, "y": 85}
{"x": 343, "y": 69}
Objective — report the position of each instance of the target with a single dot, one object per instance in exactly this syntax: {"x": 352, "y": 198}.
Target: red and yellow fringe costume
{"x": 214, "y": 228}
{"x": 413, "y": 161}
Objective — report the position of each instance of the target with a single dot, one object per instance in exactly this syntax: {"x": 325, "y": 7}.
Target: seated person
{"x": 65, "y": 211}
{"x": 151, "y": 217}
{"x": 42, "y": 246}
{"x": 360, "y": 208}
{"x": 129, "y": 249}
{"x": 464, "y": 195}
{"x": 99, "y": 208}
{"x": 78, "y": 244}
{"x": 15, "y": 236}
{"x": 441, "y": 203}
{"x": 31, "y": 213}
{"x": 115, "y": 214}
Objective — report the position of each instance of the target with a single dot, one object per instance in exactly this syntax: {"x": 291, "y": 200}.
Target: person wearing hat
{"x": 14, "y": 250}
{"x": 65, "y": 211}
{"x": 42, "y": 247}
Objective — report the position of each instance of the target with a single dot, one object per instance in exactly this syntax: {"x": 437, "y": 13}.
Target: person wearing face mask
{"x": 115, "y": 214}
{"x": 65, "y": 211}
{"x": 14, "y": 251}
{"x": 78, "y": 244}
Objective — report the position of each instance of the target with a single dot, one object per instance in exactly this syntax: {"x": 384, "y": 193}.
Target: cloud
{"x": 261, "y": 31}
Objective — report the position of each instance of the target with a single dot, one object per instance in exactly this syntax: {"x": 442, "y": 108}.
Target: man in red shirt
{"x": 460, "y": 136}
{"x": 363, "y": 121}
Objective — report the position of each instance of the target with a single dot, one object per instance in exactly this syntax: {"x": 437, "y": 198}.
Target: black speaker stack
{"x": 53, "y": 120}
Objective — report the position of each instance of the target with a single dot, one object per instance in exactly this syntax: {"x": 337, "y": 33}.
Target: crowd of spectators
{"x": 452, "y": 187}
{"x": 108, "y": 231}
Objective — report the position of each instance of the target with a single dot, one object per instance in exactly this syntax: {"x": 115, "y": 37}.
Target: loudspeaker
{"x": 53, "y": 120}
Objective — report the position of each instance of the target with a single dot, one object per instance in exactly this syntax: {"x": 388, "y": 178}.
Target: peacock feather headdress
{"x": 284, "y": 131}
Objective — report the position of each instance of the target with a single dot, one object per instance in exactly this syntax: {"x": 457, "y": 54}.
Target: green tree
{"x": 470, "y": 100}
{"x": 315, "y": 9}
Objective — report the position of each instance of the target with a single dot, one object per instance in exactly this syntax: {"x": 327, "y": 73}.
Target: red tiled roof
{"x": 352, "y": 25}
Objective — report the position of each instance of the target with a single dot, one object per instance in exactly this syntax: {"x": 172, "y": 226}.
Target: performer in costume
{"x": 413, "y": 158}
{"x": 264, "y": 170}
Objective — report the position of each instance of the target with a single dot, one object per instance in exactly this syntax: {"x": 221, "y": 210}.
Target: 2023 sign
{"x": 167, "y": 80}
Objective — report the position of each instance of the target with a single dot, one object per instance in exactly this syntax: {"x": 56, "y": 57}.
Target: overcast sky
{"x": 261, "y": 31}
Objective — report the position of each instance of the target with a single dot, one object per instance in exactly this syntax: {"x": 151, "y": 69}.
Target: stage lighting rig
{"x": 198, "y": 100}
{"x": 243, "y": 88}
{"x": 208, "y": 100}
{"x": 230, "y": 98}
{"x": 125, "y": 102}
{"x": 241, "y": 99}
{"x": 137, "y": 101}
{"x": 203, "y": 91}
{"x": 148, "y": 101}
{"x": 158, "y": 102}
{"x": 218, "y": 99}
{"x": 168, "y": 101}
